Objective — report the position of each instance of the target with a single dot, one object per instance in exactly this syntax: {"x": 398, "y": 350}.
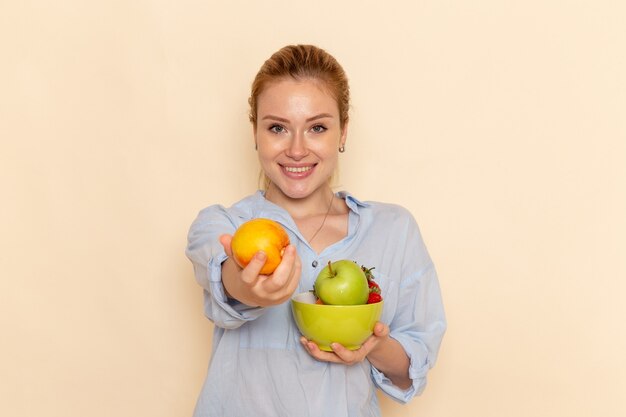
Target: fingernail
{"x": 261, "y": 256}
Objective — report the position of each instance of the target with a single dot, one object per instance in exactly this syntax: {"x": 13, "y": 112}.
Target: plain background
{"x": 500, "y": 125}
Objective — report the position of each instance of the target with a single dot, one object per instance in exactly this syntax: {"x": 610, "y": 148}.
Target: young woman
{"x": 260, "y": 364}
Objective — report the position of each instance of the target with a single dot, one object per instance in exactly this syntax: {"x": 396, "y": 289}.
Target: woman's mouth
{"x": 297, "y": 171}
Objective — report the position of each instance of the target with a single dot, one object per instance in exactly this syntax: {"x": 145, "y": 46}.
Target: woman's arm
{"x": 389, "y": 357}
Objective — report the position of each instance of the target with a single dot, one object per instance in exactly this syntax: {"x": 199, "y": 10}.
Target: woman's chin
{"x": 294, "y": 191}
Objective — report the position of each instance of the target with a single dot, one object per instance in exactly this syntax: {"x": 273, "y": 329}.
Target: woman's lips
{"x": 298, "y": 172}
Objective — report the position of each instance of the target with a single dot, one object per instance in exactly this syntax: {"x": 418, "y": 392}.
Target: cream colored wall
{"x": 500, "y": 125}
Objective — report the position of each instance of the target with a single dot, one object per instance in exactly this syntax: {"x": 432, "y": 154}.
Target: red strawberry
{"x": 374, "y": 287}
{"x": 374, "y": 298}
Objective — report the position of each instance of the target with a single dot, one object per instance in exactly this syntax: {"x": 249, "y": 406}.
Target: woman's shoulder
{"x": 392, "y": 216}
{"x": 390, "y": 208}
{"x": 381, "y": 208}
{"x": 381, "y": 213}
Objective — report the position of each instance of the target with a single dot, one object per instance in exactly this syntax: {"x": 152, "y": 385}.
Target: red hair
{"x": 301, "y": 62}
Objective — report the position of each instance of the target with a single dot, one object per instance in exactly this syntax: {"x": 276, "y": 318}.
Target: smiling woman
{"x": 298, "y": 135}
{"x": 304, "y": 63}
{"x": 261, "y": 365}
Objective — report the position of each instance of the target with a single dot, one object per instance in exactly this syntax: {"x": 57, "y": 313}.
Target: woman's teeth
{"x": 297, "y": 169}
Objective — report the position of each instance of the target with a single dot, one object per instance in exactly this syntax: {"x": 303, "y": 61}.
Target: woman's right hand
{"x": 252, "y": 289}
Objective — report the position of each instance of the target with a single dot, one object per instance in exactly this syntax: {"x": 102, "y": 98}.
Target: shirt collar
{"x": 352, "y": 202}
{"x": 264, "y": 207}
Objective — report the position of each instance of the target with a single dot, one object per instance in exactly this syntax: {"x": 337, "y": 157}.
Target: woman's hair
{"x": 301, "y": 62}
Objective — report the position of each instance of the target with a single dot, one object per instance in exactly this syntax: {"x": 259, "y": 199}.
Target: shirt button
{"x": 314, "y": 264}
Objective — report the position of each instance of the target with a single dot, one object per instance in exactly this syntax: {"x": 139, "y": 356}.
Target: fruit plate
{"x": 325, "y": 324}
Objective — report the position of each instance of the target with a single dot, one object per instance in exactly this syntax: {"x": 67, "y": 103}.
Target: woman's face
{"x": 298, "y": 134}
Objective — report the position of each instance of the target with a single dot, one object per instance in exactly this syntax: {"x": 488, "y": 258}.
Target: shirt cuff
{"x": 235, "y": 310}
{"x": 417, "y": 372}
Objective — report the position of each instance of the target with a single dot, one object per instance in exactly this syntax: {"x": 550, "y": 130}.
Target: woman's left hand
{"x": 340, "y": 354}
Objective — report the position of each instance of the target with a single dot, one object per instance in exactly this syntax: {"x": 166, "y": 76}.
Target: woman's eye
{"x": 277, "y": 129}
{"x": 318, "y": 129}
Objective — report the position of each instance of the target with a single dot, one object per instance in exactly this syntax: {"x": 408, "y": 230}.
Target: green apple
{"x": 342, "y": 283}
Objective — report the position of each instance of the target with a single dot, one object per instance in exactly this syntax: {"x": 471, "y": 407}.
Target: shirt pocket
{"x": 389, "y": 293}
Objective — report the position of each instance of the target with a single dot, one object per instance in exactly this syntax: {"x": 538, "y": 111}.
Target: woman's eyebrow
{"x": 270, "y": 117}
{"x": 319, "y": 116}
{"x": 310, "y": 119}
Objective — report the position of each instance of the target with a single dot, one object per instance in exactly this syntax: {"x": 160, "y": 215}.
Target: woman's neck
{"x": 314, "y": 204}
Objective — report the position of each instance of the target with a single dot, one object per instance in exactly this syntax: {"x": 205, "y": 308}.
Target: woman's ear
{"x": 344, "y": 135}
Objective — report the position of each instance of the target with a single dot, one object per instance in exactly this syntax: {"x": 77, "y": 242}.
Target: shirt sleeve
{"x": 207, "y": 255}
{"x": 419, "y": 323}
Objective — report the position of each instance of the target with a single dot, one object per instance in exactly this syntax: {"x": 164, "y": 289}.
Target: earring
{"x": 342, "y": 149}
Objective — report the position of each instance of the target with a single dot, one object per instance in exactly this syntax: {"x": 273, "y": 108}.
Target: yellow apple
{"x": 260, "y": 235}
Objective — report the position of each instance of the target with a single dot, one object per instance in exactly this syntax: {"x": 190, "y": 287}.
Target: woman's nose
{"x": 297, "y": 147}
